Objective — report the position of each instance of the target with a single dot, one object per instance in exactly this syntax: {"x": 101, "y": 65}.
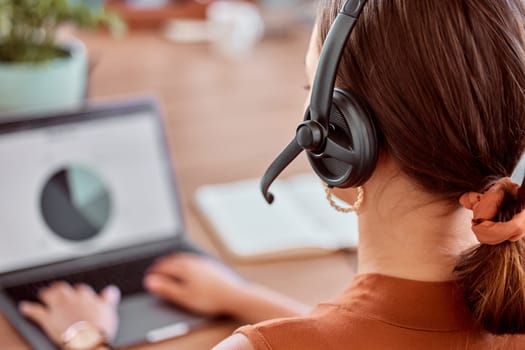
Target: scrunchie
{"x": 486, "y": 207}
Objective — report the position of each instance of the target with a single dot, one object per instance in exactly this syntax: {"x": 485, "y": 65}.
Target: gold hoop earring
{"x": 353, "y": 208}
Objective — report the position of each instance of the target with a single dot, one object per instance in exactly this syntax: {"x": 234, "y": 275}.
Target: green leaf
{"x": 28, "y": 27}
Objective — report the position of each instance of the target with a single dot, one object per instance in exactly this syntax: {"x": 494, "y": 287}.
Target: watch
{"x": 84, "y": 336}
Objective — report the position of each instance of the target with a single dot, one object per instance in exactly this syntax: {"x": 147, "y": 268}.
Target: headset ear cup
{"x": 351, "y": 127}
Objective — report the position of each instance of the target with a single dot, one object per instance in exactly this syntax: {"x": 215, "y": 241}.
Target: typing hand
{"x": 63, "y": 305}
{"x": 197, "y": 283}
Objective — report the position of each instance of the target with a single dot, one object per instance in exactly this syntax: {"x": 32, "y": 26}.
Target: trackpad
{"x": 145, "y": 318}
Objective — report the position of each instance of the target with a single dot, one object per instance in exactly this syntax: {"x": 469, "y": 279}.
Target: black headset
{"x": 337, "y": 134}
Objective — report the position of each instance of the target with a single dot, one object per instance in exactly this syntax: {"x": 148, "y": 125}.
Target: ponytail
{"x": 492, "y": 277}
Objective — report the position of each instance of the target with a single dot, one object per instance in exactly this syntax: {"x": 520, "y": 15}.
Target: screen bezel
{"x": 121, "y": 109}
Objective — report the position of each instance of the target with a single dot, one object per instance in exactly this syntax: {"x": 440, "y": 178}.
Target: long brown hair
{"x": 445, "y": 80}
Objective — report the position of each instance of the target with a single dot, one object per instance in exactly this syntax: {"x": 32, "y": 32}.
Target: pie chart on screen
{"x": 75, "y": 203}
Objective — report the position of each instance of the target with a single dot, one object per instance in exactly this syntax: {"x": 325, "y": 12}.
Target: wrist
{"x": 234, "y": 300}
{"x": 83, "y": 335}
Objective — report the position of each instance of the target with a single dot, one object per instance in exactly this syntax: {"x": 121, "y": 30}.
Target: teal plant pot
{"x": 57, "y": 84}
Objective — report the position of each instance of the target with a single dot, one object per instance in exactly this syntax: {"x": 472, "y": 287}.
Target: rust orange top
{"x": 380, "y": 312}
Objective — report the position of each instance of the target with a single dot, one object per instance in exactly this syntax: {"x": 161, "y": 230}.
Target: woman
{"x": 441, "y": 256}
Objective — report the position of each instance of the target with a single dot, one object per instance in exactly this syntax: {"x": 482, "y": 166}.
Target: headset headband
{"x": 318, "y": 113}
{"x": 330, "y": 58}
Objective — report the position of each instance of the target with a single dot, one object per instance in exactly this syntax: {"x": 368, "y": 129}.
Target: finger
{"x": 111, "y": 295}
{"x": 60, "y": 285}
{"x": 164, "y": 287}
{"x": 84, "y": 289}
{"x": 33, "y": 311}
{"x": 54, "y": 292}
{"x": 175, "y": 266}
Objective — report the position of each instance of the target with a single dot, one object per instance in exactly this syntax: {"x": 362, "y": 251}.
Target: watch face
{"x": 86, "y": 339}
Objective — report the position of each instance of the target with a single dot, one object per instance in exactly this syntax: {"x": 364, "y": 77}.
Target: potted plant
{"x": 37, "y": 72}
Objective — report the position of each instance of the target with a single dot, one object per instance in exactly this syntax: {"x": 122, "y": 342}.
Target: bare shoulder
{"x": 235, "y": 342}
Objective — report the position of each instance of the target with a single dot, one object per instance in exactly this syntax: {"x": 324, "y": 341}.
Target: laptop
{"x": 90, "y": 197}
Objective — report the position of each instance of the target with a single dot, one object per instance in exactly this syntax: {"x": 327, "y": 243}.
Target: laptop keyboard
{"x": 127, "y": 276}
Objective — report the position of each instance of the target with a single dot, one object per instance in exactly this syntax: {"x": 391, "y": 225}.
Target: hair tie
{"x": 486, "y": 207}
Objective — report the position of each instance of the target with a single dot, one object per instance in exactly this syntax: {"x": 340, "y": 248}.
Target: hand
{"x": 196, "y": 283}
{"x": 64, "y": 305}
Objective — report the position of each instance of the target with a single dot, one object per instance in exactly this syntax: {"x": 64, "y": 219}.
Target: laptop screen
{"x": 84, "y": 187}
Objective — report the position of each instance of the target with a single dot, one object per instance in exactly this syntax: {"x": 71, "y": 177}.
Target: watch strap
{"x": 73, "y": 331}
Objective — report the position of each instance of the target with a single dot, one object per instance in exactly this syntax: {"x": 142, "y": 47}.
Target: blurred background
{"x": 227, "y": 73}
{"x": 235, "y": 69}
{"x": 229, "y": 76}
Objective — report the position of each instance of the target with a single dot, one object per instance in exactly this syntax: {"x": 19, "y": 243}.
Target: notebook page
{"x": 248, "y": 226}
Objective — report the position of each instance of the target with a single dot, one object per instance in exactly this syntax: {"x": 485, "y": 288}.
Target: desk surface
{"x": 245, "y": 110}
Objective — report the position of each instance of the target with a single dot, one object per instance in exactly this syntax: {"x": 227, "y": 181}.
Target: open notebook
{"x": 300, "y": 222}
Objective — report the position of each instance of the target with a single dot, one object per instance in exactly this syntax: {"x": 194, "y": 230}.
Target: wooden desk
{"x": 226, "y": 121}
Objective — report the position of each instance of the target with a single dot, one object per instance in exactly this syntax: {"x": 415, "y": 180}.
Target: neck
{"x": 408, "y": 234}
